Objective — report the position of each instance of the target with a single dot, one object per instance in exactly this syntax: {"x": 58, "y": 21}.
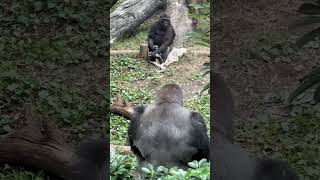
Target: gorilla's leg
{"x": 151, "y": 57}
{"x": 165, "y": 55}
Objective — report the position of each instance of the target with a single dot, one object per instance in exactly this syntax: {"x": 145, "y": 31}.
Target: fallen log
{"x": 39, "y": 144}
{"x": 121, "y": 107}
{"x": 122, "y": 149}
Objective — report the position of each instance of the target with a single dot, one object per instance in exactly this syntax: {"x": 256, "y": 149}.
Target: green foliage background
{"x": 53, "y": 54}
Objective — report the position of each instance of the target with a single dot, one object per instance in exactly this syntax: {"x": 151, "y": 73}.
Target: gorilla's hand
{"x": 156, "y": 51}
{"x": 152, "y": 54}
{"x": 155, "y": 47}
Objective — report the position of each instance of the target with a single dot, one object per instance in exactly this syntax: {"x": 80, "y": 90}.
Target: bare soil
{"x": 187, "y": 73}
{"x": 260, "y": 86}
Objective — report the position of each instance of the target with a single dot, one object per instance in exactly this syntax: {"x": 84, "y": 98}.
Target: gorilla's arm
{"x": 169, "y": 37}
{"x": 151, "y": 44}
{"x": 200, "y": 138}
{"x": 151, "y": 36}
{"x": 133, "y": 131}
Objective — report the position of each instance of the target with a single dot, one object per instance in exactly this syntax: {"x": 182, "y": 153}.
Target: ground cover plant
{"x": 45, "y": 48}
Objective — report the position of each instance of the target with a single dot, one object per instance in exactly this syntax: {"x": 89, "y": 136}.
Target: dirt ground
{"x": 261, "y": 83}
{"x": 187, "y": 72}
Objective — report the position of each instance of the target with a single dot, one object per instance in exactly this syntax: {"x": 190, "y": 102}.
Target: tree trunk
{"x": 144, "y": 50}
{"x": 179, "y": 17}
{"x": 121, "y": 107}
{"x": 38, "y": 143}
{"x": 131, "y": 14}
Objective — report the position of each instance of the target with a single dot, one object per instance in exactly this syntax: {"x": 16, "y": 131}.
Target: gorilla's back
{"x": 165, "y": 136}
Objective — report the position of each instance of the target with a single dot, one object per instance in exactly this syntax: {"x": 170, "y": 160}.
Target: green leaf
{"x": 202, "y": 161}
{"x": 206, "y": 73}
{"x": 308, "y": 83}
{"x": 309, "y": 8}
{"x": 65, "y": 114}
{"x": 7, "y": 128}
{"x": 146, "y": 170}
{"x": 316, "y": 96}
{"x": 37, "y": 5}
{"x": 161, "y": 169}
{"x": 43, "y": 94}
{"x": 206, "y": 87}
{"x": 305, "y": 21}
{"x": 311, "y": 74}
{"x": 193, "y": 164}
{"x": 23, "y": 19}
{"x": 51, "y": 4}
{"x": 308, "y": 37}
{"x": 12, "y": 87}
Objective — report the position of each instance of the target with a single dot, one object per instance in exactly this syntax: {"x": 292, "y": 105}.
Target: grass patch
{"x": 18, "y": 173}
{"x": 53, "y": 55}
{"x": 200, "y": 104}
{"x": 137, "y": 81}
{"x": 200, "y": 37}
{"x": 296, "y": 140}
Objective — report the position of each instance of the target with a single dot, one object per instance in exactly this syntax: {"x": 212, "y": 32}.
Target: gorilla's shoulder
{"x": 139, "y": 109}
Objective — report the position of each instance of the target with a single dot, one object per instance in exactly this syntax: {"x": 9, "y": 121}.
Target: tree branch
{"x": 39, "y": 143}
{"x": 121, "y": 107}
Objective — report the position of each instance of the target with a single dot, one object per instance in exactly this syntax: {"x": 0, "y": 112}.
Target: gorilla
{"x": 229, "y": 161}
{"x": 94, "y": 160}
{"x": 160, "y": 37}
{"x": 165, "y": 133}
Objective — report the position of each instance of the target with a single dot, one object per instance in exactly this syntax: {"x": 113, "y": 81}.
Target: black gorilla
{"x": 160, "y": 37}
{"x": 230, "y": 161}
{"x": 166, "y": 133}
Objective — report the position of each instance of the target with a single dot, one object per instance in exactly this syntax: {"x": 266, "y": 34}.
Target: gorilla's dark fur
{"x": 160, "y": 37}
{"x": 166, "y": 133}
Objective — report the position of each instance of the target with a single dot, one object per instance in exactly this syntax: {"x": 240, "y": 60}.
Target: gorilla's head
{"x": 165, "y": 21}
{"x": 171, "y": 93}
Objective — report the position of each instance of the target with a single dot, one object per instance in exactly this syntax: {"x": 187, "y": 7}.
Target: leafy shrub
{"x": 122, "y": 167}
{"x": 308, "y": 81}
{"x": 197, "y": 170}
{"x": 206, "y": 68}
{"x": 311, "y": 15}
{"x": 201, "y": 35}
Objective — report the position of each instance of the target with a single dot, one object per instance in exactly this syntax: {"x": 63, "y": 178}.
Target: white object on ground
{"x": 173, "y": 56}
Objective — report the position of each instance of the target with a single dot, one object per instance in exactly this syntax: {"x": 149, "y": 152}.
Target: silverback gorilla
{"x": 165, "y": 133}
{"x": 160, "y": 37}
{"x": 230, "y": 161}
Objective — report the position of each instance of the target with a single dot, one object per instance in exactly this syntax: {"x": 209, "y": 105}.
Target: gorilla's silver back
{"x": 162, "y": 134}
